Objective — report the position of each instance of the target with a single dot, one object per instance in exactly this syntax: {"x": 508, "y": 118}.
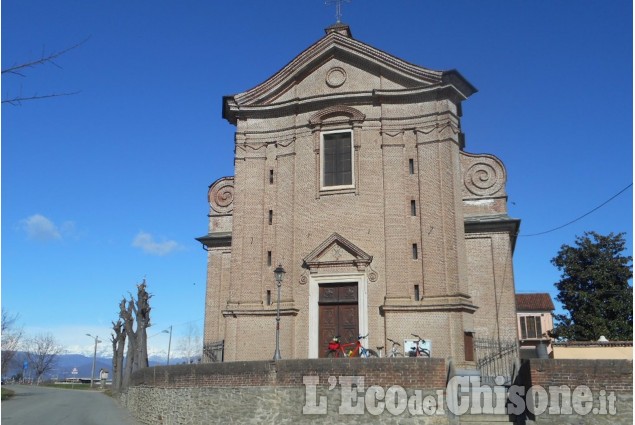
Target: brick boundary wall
{"x": 405, "y": 372}
{"x": 267, "y": 392}
{"x": 609, "y": 375}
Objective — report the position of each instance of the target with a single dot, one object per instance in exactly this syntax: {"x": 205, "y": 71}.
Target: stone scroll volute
{"x": 484, "y": 176}
{"x": 221, "y": 196}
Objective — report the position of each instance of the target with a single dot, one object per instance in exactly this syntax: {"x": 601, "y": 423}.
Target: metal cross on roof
{"x": 338, "y": 8}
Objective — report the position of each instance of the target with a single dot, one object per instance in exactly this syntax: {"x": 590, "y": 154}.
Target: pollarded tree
{"x": 141, "y": 308}
{"x": 118, "y": 339}
{"x": 131, "y": 312}
{"x": 594, "y": 289}
{"x": 125, "y": 313}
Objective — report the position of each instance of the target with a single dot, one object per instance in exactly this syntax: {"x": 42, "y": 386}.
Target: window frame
{"x": 525, "y": 329}
{"x": 322, "y": 155}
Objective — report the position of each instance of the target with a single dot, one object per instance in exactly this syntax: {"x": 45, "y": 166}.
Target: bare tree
{"x": 118, "y": 339}
{"x": 142, "y": 309}
{"x": 132, "y": 311}
{"x": 18, "y": 69}
{"x": 11, "y": 336}
{"x": 42, "y": 351}
{"x": 125, "y": 313}
{"x": 191, "y": 345}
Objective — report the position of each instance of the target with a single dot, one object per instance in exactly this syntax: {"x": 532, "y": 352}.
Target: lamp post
{"x": 92, "y": 374}
{"x": 279, "y": 275}
{"x": 169, "y": 342}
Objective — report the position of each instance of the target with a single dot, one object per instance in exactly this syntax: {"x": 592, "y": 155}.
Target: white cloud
{"x": 40, "y": 228}
{"x": 146, "y": 242}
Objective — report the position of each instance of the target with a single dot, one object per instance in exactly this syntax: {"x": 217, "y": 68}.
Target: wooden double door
{"x": 338, "y": 314}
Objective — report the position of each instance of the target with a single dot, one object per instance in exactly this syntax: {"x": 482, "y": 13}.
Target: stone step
{"x": 487, "y": 397}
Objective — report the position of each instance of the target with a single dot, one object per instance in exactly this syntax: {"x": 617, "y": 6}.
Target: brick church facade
{"x": 351, "y": 173}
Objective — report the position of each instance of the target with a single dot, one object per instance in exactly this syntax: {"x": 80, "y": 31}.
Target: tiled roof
{"x": 534, "y": 302}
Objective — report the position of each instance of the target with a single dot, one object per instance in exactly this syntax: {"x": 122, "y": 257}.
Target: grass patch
{"x": 7, "y": 394}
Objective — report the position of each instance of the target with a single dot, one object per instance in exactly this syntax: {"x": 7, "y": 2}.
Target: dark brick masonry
{"x": 609, "y": 375}
{"x": 405, "y": 372}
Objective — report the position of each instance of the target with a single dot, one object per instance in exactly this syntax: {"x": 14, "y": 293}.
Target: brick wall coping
{"x": 614, "y": 365}
{"x": 594, "y": 344}
{"x": 406, "y": 372}
{"x": 610, "y": 374}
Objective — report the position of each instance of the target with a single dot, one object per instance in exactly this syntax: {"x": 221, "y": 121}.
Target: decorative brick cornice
{"x": 359, "y": 260}
{"x": 216, "y": 240}
{"x": 235, "y": 312}
{"x": 454, "y": 302}
{"x": 334, "y": 44}
{"x": 493, "y": 223}
{"x": 340, "y": 112}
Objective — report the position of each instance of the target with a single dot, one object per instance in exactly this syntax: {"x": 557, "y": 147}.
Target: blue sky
{"x": 103, "y": 188}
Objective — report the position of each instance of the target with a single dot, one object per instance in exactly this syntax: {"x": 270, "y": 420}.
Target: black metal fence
{"x": 213, "y": 352}
{"x": 496, "y": 358}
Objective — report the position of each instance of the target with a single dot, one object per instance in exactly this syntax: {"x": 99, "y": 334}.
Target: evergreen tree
{"x": 594, "y": 289}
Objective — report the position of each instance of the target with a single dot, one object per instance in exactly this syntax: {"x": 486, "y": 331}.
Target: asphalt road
{"x": 33, "y": 405}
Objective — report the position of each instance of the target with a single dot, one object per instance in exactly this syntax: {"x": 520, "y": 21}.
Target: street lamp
{"x": 92, "y": 374}
{"x": 279, "y": 275}
{"x": 169, "y": 341}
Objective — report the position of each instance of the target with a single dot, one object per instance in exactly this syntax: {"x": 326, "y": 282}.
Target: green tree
{"x": 594, "y": 288}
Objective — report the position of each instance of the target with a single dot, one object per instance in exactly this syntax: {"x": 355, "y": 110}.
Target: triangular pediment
{"x": 329, "y": 57}
{"x": 337, "y": 251}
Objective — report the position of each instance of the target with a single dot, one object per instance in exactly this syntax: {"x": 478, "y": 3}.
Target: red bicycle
{"x": 418, "y": 349}
{"x": 352, "y": 349}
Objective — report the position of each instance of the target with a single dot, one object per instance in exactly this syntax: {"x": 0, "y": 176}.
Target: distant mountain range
{"x": 65, "y": 363}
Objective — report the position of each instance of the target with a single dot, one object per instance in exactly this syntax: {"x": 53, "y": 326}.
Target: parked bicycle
{"x": 352, "y": 349}
{"x": 394, "y": 351}
{"x": 418, "y": 350}
{"x": 379, "y": 352}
